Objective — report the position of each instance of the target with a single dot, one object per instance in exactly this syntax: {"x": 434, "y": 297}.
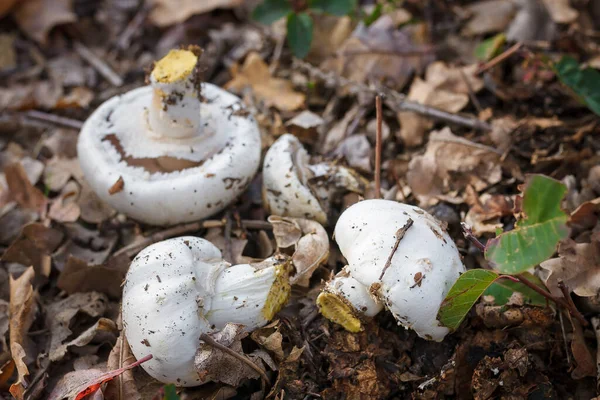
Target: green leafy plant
{"x": 584, "y": 82}
{"x": 490, "y": 47}
{"x": 534, "y": 239}
{"x": 299, "y": 18}
{"x": 169, "y": 392}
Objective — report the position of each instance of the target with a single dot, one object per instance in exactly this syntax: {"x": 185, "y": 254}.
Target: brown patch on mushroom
{"x": 164, "y": 164}
{"x": 117, "y": 186}
{"x": 418, "y": 279}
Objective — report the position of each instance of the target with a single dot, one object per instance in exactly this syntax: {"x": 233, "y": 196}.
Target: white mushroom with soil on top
{"x": 399, "y": 258}
{"x": 293, "y": 187}
{"x": 178, "y": 289}
{"x": 175, "y": 151}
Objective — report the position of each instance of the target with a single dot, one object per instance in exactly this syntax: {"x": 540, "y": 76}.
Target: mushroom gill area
{"x": 162, "y": 164}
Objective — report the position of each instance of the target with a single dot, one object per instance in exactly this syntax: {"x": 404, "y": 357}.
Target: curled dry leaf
{"x": 38, "y": 17}
{"x": 214, "y": 365}
{"x": 486, "y": 210}
{"x": 446, "y": 88}
{"x": 123, "y": 387}
{"x": 270, "y": 338}
{"x": 489, "y": 16}
{"x": 93, "y": 209}
{"x": 60, "y": 314}
{"x": 310, "y": 242}
{"x": 59, "y": 170}
{"x": 169, "y": 12}
{"x": 271, "y": 91}
{"x": 450, "y": 163}
{"x": 23, "y": 307}
{"x": 23, "y": 191}
{"x": 304, "y": 126}
{"x": 576, "y": 265}
{"x": 64, "y": 208}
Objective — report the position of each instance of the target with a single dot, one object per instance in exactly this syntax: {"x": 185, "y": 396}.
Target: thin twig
{"x": 570, "y": 305}
{"x": 209, "y": 340}
{"x": 124, "y": 39}
{"x": 394, "y": 100}
{"x": 499, "y": 58}
{"x": 399, "y": 235}
{"x": 54, "y": 119}
{"x": 408, "y": 53}
{"x": 100, "y": 65}
{"x": 378, "y": 145}
{"x": 468, "y": 234}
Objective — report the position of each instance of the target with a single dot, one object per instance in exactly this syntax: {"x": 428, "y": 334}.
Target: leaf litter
{"x": 65, "y": 252}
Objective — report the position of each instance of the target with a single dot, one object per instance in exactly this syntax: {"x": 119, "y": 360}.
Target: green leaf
{"x": 334, "y": 7}
{"x": 584, "y": 82}
{"x": 374, "y": 16}
{"x": 270, "y": 11}
{"x": 489, "y": 47}
{"x": 536, "y": 236}
{"x": 503, "y": 289}
{"x": 299, "y": 33}
{"x": 170, "y": 392}
{"x": 463, "y": 294}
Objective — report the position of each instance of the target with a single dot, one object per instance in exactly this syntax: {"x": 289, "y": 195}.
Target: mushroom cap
{"x": 178, "y": 289}
{"x": 285, "y": 181}
{"x": 169, "y": 180}
{"x": 422, "y": 270}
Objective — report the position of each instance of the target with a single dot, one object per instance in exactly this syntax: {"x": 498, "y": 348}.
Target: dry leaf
{"x": 79, "y": 276}
{"x": 329, "y": 32}
{"x": 577, "y": 266}
{"x": 310, "y": 242}
{"x": 444, "y": 87}
{"x": 37, "y": 17}
{"x": 356, "y": 149}
{"x": 23, "y": 307}
{"x": 6, "y": 6}
{"x": 451, "y": 163}
{"x": 304, "y": 126}
{"x": 123, "y": 387}
{"x": 382, "y": 53}
{"x": 59, "y": 170}
{"x": 4, "y": 320}
{"x": 93, "y": 209}
{"x": 64, "y": 208}
{"x": 270, "y": 338}
{"x": 338, "y": 132}
{"x": 214, "y": 365}
{"x": 22, "y": 191}
{"x": 532, "y": 22}
{"x": 489, "y": 16}
{"x": 232, "y": 254}
{"x": 271, "y": 91}
{"x": 60, "y": 314}
{"x": 169, "y": 12}
{"x": 561, "y": 11}
{"x": 585, "y": 363}
{"x": 486, "y": 210}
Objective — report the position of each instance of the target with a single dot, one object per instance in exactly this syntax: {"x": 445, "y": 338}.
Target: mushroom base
{"x": 338, "y": 310}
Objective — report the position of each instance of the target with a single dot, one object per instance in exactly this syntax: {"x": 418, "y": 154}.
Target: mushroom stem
{"x": 175, "y": 108}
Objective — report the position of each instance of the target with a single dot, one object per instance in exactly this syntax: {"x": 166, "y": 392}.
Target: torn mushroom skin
{"x": 181, "y": 149}
{"x": 423, "y": 265}
{"x": 180, "y": 288}
{"x": 293, "y": 187}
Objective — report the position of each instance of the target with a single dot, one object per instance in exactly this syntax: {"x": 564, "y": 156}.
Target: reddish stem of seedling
{"x": 378, "y": 145}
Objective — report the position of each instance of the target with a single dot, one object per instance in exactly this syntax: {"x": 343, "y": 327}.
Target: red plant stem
{"x": 468, "y": 234}
{"x": 570, "y": 305}
{"x": 378, "y": 145}
{"x": 498, "y": 59}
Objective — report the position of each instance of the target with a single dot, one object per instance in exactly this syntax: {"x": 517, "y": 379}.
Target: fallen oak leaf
{"x": 22, "y": 191}
{"x": 79, "y": 384}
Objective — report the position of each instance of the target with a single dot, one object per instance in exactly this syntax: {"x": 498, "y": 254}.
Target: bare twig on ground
{"x": 394, "y": 100}
{"x": 212, "y": 342}
{"x": 54, "y": 119}
{"x": 124, "y": 39}
{"x": 378, "y": 140}
{"x": 100, "y": 65}
{"x": 499, "y": 58}
{"x": 399, "y": 235}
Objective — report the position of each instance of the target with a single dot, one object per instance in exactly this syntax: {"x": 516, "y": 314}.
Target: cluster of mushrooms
{"x": 180, "y": 150}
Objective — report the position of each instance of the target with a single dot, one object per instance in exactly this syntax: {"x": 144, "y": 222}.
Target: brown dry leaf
{"x": 103, "y": 329}
{"x": 489, "y": 16}
{"x": 214, "y": 365}
{"x": 532, "y": 22}
{"x": 272, "y": 91}
{"x": 444, "y": 87}
{"x": 4, "y": 320}
{"x": 270, "y": 338}
{"x": 232, "y": 255}
{"x": 71, "y": 384}
{"x": 60, "y": 314}
{"x": 169, "y": 12}
{"x": 310, "y": 242}
{"x": 122, "y": 387}
{"x": 356, "y": 149}
{"x": 561, "y": 11}
{"x": 59, "y": 170}
{"x": 64, "y": 208}
{"x": 40, "y": 94}
{"x": 585, "y": 362}
{"x": 6, "y": 6}
{"x": 79, "y": 276}
{"x": 450, "y": 163}
{"x": 33, "y": 247}
{"x": 22, "y": 191}
{"x": 23, "y": 307}
{"x": 577, "y": 266}
{"x": 485, "y": 211}
{"x": 338, "y": 132}
{"x": 329, "y": 32}
{"x": 93, "y": 209}
{"x": 304, "y": 126}
{"x": 382, "y": 53}
{"x": 37, "y": 17}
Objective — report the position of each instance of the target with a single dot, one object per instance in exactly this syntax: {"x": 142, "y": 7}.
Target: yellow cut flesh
{"x": 338, "y": 311}
{"x": 175, "y": 66}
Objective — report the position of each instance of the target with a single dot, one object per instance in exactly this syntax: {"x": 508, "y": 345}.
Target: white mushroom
{"x": 424, "y": 265}
{"x": 293, "y": 187}
{"x": 180, "y": 288}
{"x": 180, "y": 149}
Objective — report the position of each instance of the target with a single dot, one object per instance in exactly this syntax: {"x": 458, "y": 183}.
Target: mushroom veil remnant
{"x": 399, "y": 258}
{"x": 180, "y": 149}
{"x": 178, "y": 289}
